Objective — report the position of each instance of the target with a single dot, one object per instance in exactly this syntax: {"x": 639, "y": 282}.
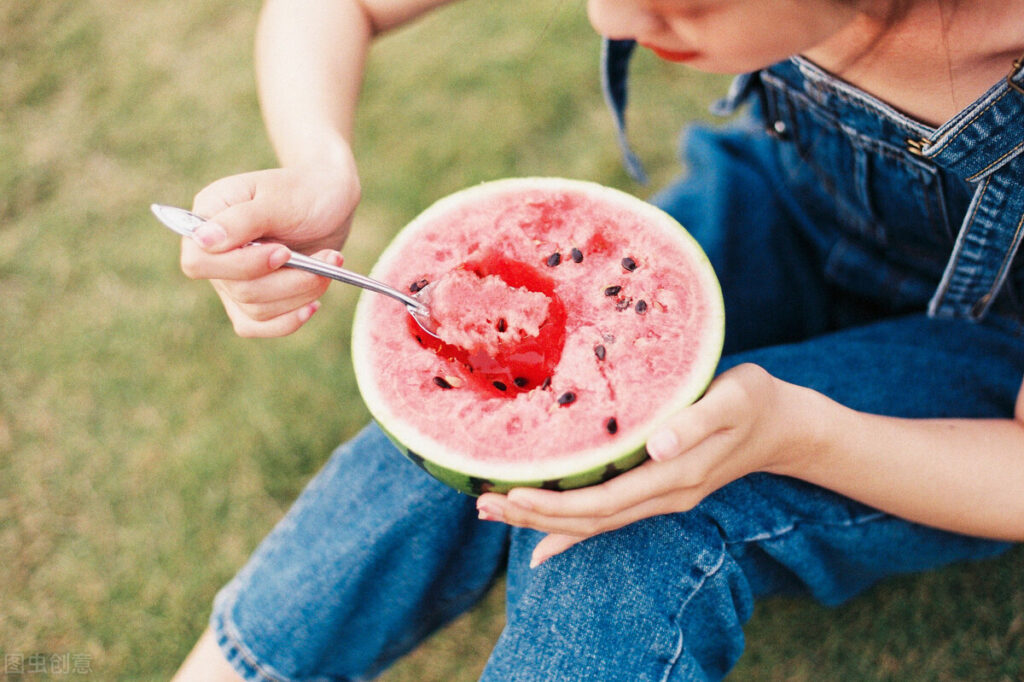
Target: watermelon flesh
{"x": 483, "y": 313}
{"x": 573, "y": 320}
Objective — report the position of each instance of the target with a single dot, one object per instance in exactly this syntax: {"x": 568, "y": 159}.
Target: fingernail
{"x": 209, "y": 234}
{"x": 307, "y": 312}
{"x": 488, "y": 513}
{"x": 663, "y": 445}
{"x": 339, "y": 260}
{"x": 278, "y": 258}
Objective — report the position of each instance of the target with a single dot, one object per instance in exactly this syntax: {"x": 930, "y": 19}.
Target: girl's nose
{"x": 622, "y": 19}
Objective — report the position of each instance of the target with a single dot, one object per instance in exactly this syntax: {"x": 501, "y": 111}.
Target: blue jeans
{"x": 825, "y": 286}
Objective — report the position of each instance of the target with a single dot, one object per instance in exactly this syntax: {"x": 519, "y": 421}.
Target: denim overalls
{"x": 861, "y": 254}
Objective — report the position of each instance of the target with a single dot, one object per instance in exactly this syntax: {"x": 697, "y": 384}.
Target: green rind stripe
{"x": 472, "y": 485}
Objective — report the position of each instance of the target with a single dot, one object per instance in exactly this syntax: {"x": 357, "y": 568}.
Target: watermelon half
{"x": 574, "y": 319}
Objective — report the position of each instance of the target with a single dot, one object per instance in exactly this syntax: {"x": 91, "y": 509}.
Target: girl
{"x": 868, "y": 420}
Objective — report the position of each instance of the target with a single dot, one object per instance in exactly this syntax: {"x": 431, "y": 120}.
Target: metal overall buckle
{"x": 1018, "y": 64}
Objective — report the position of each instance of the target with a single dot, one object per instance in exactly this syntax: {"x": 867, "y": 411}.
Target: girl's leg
{"x": 666, "y": 598}
{"x": 373, "y": 556}
{"x": 206, "y": 663}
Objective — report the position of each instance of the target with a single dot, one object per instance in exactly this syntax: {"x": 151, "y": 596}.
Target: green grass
{"x": 145, "y": 450}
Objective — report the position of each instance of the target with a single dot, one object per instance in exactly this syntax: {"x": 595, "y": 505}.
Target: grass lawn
{"x": 145, "y": 450}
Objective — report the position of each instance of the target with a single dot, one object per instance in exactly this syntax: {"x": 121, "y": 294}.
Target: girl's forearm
{"x": 962, "y": 475}
{"x": 309, "y": 64}
{"x": 310, "y": 57}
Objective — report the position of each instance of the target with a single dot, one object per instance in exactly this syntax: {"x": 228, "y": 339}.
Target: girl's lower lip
{"x": 673, "y": 56}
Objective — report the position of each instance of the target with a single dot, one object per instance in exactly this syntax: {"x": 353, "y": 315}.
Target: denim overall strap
{"x": 983, "y": 145}
{"x": 615, "y": 56}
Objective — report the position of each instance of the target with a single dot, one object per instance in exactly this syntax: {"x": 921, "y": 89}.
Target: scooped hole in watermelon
{"x": 500, "y": 323}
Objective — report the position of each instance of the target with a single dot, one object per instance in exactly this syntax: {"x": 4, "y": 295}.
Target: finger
{"x": 282, "y": 325}
{"x": 246, "y": 263}
{"x": 264, "y": 309}
{"x": 234, "y": 226}
{"x": 233, "y": 219}
{"x": 277, "y": 293}
{"x": 225, "y": 192}
{"x": 625, "y": 490}
{"x": 552, "y": 545}
{"x": 713, "y": 414}
{"x": 586, "y": 526}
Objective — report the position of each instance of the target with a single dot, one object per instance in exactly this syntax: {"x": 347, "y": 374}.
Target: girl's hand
{"x": 747, "y": 421}
{"x": 307, "y": 208}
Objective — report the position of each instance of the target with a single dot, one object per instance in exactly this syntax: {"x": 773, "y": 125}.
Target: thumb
{"x": 225, "y": 192}
{"x": 552, "y": 545}
{"x": 233, "y": 216}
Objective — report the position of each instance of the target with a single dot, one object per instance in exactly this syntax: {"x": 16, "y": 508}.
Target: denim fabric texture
{"x": 861, "y": 254}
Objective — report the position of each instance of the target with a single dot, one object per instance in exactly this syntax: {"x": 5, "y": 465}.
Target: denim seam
{"x": 964, "y": 124}
{"x": 1005, "y": 265}
{"x": 780, "y": 532}
{"x": 814, "y": 74}
{"x": 867, "y": 142}
{"x": 952, "y": 266}
{"x": 705, "y": 575}
{"x": 1013, "y": 152}
{"x": 230, "y": 632}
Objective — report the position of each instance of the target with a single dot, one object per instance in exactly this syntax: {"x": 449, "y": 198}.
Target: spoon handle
{"x": 185, "y": 223}
{"x": 317, "y": 267}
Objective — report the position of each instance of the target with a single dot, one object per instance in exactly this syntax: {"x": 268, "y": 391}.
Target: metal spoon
{"x": 185, "y": 222}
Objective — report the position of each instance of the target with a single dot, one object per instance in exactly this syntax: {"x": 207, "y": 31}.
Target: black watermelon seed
{"x": 629, "y": 264}
{"x": 641, "y": 306}
{"x": 521, "y": 382}
{"x": 612, "y": 291}
{"x": 419, "y": 339}
{"x": 502, "y": 324}
{"x": 554, "y": 259}
{"x": 415, "y": 458}
{"x": 499, "y": 385}
{"x": 577, "y": 255}
{"x": 611, "y": 425}
{"x": 417, "y": 285}
{"x": 599, "y": 351}
{"x": 440, "y": 382}
{"x": 479, "y": 486}
{"x": 546, "y": 383}
{"x": 567, "y": 398}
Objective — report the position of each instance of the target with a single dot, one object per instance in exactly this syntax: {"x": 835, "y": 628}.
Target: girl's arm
{"x": 310, "y": 57}
{"x": 962, "y": 475}
{"x": 309, "y": 64}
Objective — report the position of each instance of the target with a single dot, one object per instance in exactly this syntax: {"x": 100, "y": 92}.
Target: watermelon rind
{"x": 574, "y": 470}
{"x": 475, "y": 485}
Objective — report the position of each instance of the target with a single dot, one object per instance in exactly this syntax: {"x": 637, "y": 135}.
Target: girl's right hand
{"x": 307, "y": 208}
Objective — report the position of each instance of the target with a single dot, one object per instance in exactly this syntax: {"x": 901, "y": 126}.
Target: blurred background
{"x": 145, "y": 450}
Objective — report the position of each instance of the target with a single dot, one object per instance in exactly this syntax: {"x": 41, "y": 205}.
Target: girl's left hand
{"x": 747, "y": 421}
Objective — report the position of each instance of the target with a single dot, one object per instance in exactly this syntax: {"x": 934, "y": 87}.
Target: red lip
{"x": 673, "y": 56}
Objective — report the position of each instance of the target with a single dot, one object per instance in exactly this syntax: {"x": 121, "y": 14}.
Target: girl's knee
{"x": 647, "y": 601}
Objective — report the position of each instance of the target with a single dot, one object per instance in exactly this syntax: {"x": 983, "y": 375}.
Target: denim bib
{"x": 982, "y": 147}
